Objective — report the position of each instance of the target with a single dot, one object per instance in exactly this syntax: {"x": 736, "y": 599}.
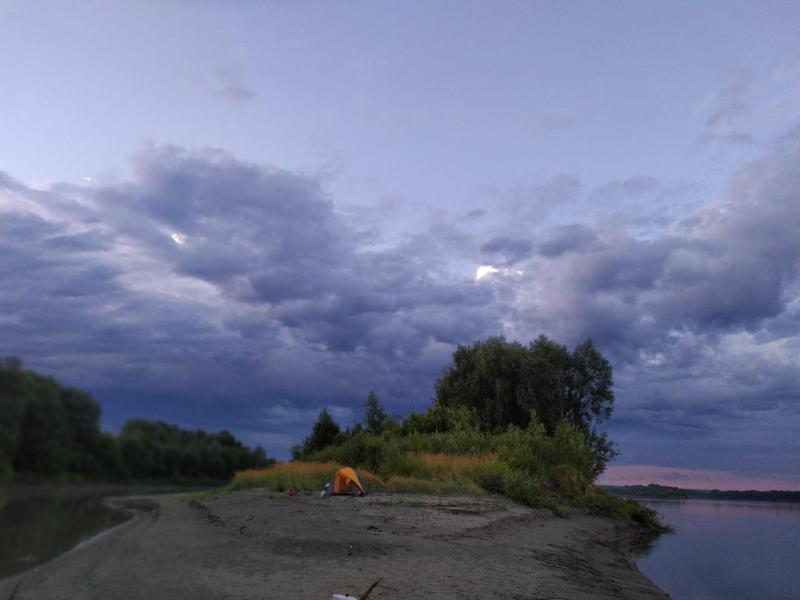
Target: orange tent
{"x": 346, "y": 481}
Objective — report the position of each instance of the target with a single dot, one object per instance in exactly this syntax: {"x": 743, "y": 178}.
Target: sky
{"x": 235, "y": 214}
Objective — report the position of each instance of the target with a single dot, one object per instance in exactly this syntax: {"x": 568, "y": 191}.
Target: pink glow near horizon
{"x": 691, "y": 478}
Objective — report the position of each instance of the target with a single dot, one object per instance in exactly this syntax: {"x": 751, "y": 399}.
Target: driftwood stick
{"x": 19, "y": 583}
{"x": 366, "y": 594}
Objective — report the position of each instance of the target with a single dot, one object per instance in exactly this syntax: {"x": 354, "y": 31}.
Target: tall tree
{"x": 590, "y": 399}
{"x": 374, "y": 415}
{"x": 589, "y": 388}
{"x": 13, "y": 392}
{"x": 323, "y": 434}
{"x": 484, "y": 377}
{"x": 503, "y": 383}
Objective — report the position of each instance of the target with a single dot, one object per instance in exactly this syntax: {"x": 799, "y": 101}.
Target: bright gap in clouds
{"x": 485, "y": 270}
{"x": 178, "y": 238}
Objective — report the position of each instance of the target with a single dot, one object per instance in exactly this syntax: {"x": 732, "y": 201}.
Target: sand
{"x": 256, "y": 544}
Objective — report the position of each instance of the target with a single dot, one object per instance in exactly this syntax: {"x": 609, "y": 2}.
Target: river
{"x": 727, "y": 550}
{"x": 39, "y": 522}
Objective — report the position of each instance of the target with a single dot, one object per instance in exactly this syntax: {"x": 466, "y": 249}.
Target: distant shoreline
{"x": 255, "y": 544}
{"x": 664, "y": 492}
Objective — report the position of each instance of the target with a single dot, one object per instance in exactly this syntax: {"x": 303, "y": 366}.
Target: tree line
{"x": 52, "y": 431}
{"x": 494, "y": 385}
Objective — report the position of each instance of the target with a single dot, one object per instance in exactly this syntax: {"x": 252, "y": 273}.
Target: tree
{"x": 158, "y": 450}
{"x": 485, "y": 377}
{"x": 502, "y": 383}
{"x": 544, "y": 368}
{"x": 590, "y": 399}
{"x": 374, "y": 415}
{"x": 323, "y": 434}
{"x": 13, "y": 392}
{"x": 589, "y": 393}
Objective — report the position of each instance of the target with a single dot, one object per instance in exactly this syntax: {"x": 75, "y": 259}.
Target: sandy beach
{"x": 261, "y": 545}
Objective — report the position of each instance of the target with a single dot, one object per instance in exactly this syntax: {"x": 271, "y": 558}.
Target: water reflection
{"x": 726, "y": 550}
{"x": 40, "y": 522}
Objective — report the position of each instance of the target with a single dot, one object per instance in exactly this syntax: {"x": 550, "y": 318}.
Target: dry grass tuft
{"x": 293, "y": 474}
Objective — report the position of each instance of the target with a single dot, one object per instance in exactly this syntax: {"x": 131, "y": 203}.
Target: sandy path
{"x": 259, "y": 545}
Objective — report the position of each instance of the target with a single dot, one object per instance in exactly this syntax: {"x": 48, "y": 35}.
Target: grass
{"x": 435, "y": 475}
{"x": 440, "y": 473}
{"x": 298, "y": 475}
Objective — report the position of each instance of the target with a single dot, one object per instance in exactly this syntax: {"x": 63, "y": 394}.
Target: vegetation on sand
{"x": 520, "y": 421}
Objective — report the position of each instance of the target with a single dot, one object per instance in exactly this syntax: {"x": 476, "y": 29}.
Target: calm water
{"x": 38, "y": 523}
{"x": 726, "y": 550}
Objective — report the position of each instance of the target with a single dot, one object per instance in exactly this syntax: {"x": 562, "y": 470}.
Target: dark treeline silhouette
{"x": 651, "y": 491}
{"x": 749, "y": 495}
{"x": 51, "y": 431}
{"x": 655, "y": 491}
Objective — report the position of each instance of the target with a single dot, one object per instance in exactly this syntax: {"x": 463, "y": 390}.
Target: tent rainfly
{"x": 346, "y": 481}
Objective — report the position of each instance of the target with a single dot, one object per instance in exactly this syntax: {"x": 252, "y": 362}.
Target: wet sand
{"x": 261, "y": 545}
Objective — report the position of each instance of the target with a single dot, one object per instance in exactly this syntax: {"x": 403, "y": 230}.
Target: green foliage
{"x": 324, "y": 433}
{"x": 158, "y": 450}
{"x": 603, "y": 503}
{"x": 14, "y": 391}
{"x": 502, "y": 383}
{"x": 402, "y": 484}
{"x": 443, "y": 451}
{"x": 440, "y": 419}
{"x": 47, "y": 429}
{"x": 50, "y": 431}
{"x": 374, "y": 416}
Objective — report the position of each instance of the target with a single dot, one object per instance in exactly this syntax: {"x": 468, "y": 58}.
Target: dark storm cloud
{"x": 223, "y": 284}
{"x": 222, "y": 293}
{"x": 701, "y": 320}
{"x": 731, "y": 266}
{"x": 567, "y": 238}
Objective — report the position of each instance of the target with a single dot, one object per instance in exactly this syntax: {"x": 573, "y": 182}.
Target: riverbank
{"x": 256, "y": 544}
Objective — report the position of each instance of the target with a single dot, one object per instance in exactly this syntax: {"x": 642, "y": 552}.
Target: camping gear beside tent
{"x": 346, "y": 481}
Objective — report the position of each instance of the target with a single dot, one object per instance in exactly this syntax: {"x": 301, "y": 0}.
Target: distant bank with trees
{"x": 49, "y": 431}
{"x": 655, "y": 491}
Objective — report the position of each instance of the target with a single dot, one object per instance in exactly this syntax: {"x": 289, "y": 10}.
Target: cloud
{"x": 506, "y": 251}
{"x": 566, "y": 238}
{"x": 729, "y": 112}
{"x": 271, "y": 298}
{"x": 277, "y": 303}
{"x": 229, "y": 85}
